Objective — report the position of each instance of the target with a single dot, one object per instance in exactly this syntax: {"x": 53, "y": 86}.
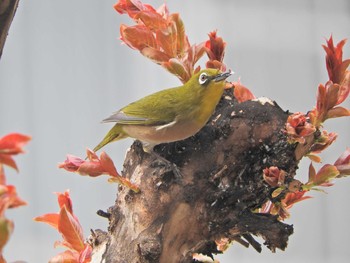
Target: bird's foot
{"x": 161, "y": 161}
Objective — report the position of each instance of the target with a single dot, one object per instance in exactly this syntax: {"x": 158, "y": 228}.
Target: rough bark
{"x": 7, "y": 12}
{"x": 217, "y": 196}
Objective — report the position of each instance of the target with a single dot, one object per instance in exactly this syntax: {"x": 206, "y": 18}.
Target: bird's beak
{"x": 222, "y": 76}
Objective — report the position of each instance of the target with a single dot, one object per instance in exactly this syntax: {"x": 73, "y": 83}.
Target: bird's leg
{"x": 148, "y": 148}
{"x": 173, "y": 167}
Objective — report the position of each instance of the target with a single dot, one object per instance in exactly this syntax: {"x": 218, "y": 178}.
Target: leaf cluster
{"x": 10, "y": 145}
{"x": 67, "y": 224}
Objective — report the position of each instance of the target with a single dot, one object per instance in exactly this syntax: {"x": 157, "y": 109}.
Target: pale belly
{"x": 162, "y": 134}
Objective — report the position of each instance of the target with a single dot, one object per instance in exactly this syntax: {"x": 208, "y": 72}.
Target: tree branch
{"x": 7, "y": 12}
{"x": 221, "y": 186}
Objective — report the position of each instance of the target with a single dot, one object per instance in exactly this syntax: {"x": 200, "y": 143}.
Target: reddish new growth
{"x": 343, "y": 163}
{"x": 301, "y": 126}
{"x": 282, "y": 208}
{"x": 67, "y": 224}
{"x": 329, "y": 96}
{"x": 10, "y": 145}
{"x": 294, "y": 191}
{"x": 215, "y": 49}
{"x": 298, "y": 127}
{"x": 274, "y": 176}
{"x": 160, "y": 36}
{"x": 96, "y": 166}
{"x": 291, "y": 192}
{"x": 336, "y": 90}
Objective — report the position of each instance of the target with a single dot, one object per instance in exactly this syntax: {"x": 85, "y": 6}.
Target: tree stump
{"x": 220, "y": 189}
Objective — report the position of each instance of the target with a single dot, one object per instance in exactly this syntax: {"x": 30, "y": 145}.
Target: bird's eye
{"x": 203, "y": 78}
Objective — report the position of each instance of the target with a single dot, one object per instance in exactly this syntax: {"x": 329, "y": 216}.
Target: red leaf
{"x": 198, "y": 51}
{"x": 274, "y": 176}
{"x": 323, "y": 141}
{"x": 182, "y": 43}
{"x": 323, "y": 176}
{"x": 2, "y": 175}
{"x": 65, "y": 200}
{"x": 294, "y": 197}
{"x": 67, "y": 256}
{"x": 13, "y": 143}
{"x": 321, "y": 101}
{"x": 95, "y": 167}
{"x": 312, "y": 173}
{"x": 242, "y": 93}
{"x": 215, "y": 47}
{"x": 343, "y": 163}
{"x": 85, "y": 255}
{"x": 8, "y": 160}
{"x": 281, "y": 208}
{"x": 108, "y": 165}
{"x": 75, "y": 164}
{"x": 334, "y": 60}
{"x": 298, "y": 127}
{"x": 166, "y": 39}
{"x": 50, "y": 219}
{"x": 344, "y": 87}
{"x": 332, "y": 93}
{"x": 9, "y": 198}
{"x": 72, "y": 163}
{"x": 152, "y": 20}
{"x": 137, "y": 37}
{"x": 337, "y": 112}
{"x": 70, "y": 229}
{"x": 177, "y": 68}
{"x": 215, "y": 64}
{"x": 155, "y": 55}
{"x": 68, "y": 225}
{"x": 131, "y": 7}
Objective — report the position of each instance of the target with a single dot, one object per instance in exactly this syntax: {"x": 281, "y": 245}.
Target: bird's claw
{"x": 161, "y": 161}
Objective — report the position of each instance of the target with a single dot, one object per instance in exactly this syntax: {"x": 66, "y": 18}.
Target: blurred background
{"x": 64, "y": 69}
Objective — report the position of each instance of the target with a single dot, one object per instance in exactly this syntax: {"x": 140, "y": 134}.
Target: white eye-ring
{"x": 203, "y": 78}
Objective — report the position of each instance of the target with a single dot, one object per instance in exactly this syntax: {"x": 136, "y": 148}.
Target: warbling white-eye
{"x": 169, "y": 115}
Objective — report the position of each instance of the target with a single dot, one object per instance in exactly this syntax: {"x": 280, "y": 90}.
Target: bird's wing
{"x": 156, "y": 109}
{"x": 121, "y": 117}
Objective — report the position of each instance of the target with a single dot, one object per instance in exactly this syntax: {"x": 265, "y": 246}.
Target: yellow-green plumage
{"x": 169, "y": 115}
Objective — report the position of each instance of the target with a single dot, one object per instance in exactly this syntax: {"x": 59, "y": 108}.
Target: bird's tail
{"x": 115, "y": 134}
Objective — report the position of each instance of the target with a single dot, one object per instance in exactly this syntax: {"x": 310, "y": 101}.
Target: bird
{"x": 169, "y": 115}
